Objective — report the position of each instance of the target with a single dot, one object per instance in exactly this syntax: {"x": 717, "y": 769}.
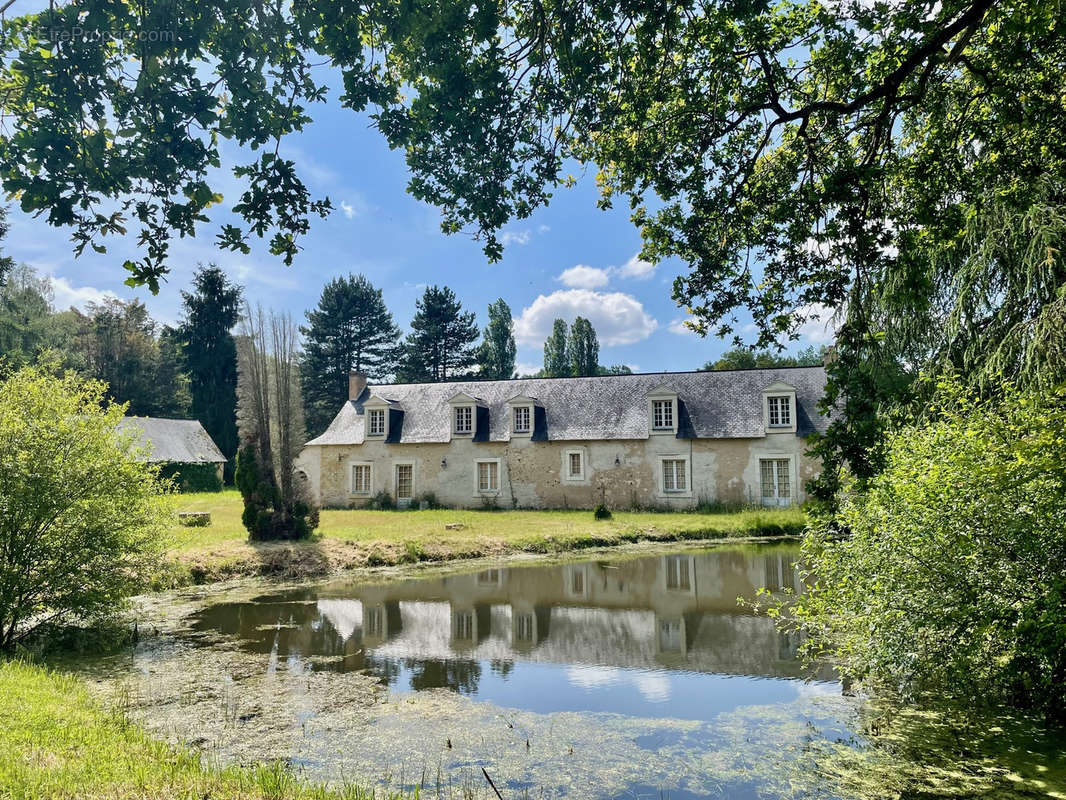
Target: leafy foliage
{"x": 584, "y": 349}
{"x": 350, "y": 329}
{"x": 209, "y": 353}
{"x": 746, "y": 358}
{"x": 82, "y": 515}
{"x": 496, "y": 358}
{"x": 441, "y": 343}
{"x": 557, "y": 362}
{"x": 25, "y": 314}
{"x": 953, "y": 580}
{"x": 192, "y": 477}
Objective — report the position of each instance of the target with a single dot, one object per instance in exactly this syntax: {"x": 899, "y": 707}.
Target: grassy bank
{"x": 57, "y": 742}
{"x": 354, "y": 538}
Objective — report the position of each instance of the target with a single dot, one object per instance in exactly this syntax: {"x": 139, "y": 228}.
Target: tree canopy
{"x": 441, "y": 343}
{"x": 584, "y": 349}
{"x": 82, "y": 515}
{"x": 496, "y": 358}
{"x": 557, "y": 362}
{"x": 350, "y": 329}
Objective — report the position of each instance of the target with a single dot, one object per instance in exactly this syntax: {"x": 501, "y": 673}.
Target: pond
{"x": 624, "y": 677}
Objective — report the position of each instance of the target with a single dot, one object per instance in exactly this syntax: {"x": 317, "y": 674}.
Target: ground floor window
{"x": 360, "y": 479}
{"x": 678, "y": 573}
{"x": 405, "y": 480}
{"x": 523, "y": 628}
{"x": 675, "y": 475}
{"x": 670, "y": 639}
{"x": 776, "y": 481}
{"x": 488, "y": 476}
{"x": 463, "y": 625}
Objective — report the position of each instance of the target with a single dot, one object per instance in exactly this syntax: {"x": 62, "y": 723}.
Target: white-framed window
{"x": 678, "y": 571}
{"x": 523, "y": 419}
{"x": 375, "y": 425}
{"x": 675, "y": 475}
{"x": 779, "y": 410}
{"x": 574, "y": 467}
{"x": 464, "y": 419}
{"x": 362, "y": 478}
{"x": 524, "y": 627}
{"x": 671, "y": 638}
{"x": 463, "y": 627}
{"x": 488, "y": 476}
{"x": 662, "y": 415}
{"x": 775, "y": 481}
{"x": 405, "y": 482}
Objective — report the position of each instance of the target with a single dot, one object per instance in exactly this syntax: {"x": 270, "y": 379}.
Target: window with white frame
{"x": 488, "y": 476}
{"x": 670, "y": 639}
{"x": 522, "y": 419}
{"x": 675, "y": 475}
{"x": 360, "y": 478}
{"x": 775, "y": 478}
{"x": 662, "y": 415}
{"x": 678, "y": 573}
{"x": 524, "y": 627}
{"x": 779, "y": 411}
{"x": 376, "y": 422}
{"x": 574, "y": 465}
{"x": 464, "y": 419}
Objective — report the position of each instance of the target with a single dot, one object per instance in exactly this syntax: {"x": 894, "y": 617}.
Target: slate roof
{"x": 724, "y": 404}
{"x": 180, "y": 441}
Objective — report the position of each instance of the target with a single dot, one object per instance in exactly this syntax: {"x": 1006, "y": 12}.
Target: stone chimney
{"x": 356, "y": 384}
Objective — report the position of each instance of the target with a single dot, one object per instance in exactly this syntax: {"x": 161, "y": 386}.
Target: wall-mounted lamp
{"x": 444, "y": 463}
{"x": 617, "y": 461}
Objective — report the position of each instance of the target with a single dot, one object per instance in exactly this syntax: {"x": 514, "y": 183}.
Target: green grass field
{"x": 57, "y": 742}
{"x": 353, "y": 538}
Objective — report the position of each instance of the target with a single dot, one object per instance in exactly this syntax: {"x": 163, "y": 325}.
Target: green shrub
{"x": 193, "y": 477}
{"x": 382, "y": 501}
{"x": 82, "y": 514}
{"x": 265, "y": 516}
{"x": 953, "y": 578}
{"x": 601, "y": 512}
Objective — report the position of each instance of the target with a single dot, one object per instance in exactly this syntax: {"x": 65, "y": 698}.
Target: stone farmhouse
{"x": 668, "y": 439}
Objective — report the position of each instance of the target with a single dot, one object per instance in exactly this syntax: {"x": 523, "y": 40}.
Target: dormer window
{"x": 662, "y": 413}
{"x": 779, "y": 410}
{"x": 523, "y": 419}
{"x": 779, "y": 407}
{"x": 376, "y": 421}
{"x": 464, "y": 419}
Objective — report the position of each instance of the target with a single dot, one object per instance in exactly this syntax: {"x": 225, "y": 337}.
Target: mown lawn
{"x": 352, "y": 538}
{"x": 57, "y": 742}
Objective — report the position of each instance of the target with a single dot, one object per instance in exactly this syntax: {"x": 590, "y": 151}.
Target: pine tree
{"x": 441, "y": 343}
{"x": 557, "y": 352}
{"x": 497, "y": 354}
{"x": 350, "y": 329}
{"x": 210, "y": 354}
{"x": 584, "y": 348}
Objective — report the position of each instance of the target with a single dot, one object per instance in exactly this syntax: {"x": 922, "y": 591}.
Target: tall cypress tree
{"x": 557, "y": 352}
{"x": 584, "y": 348}
{"x": 497, "y": 354}
{"x": 441, "y": 343}
{"x": 211, "y": 311}
{"x": 350, "y": 329}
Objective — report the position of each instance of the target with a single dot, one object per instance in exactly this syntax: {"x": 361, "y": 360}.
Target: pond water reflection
{"x": 649, "y": 637}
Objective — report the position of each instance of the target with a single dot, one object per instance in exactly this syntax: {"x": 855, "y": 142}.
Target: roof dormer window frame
{"x": 522, "y": 405}
{"x": 376, "y": 409}
{"x": 464, "y": 422}
{"x": 663, "y": 407}
{"x": 779, "y": 409}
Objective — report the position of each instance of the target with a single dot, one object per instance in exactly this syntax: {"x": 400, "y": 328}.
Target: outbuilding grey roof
{"x": 724, "y": 404}
{"x": 179, "y": 441}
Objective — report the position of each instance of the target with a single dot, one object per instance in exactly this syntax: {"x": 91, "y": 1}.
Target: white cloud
{"x": 635, "y": 268}
{"x": 66, "y": 295}
{"x": 584, "y": 277}
{"x": 819, "y": 323}
{"x": 515, "y": 237}
{"x": 679, "y": 327}
{"x": 524, "y": 368}
{"x": 543, "y": 229}
{"x": 654, "y": 688}
{"x": 618, "y": 318}
{"x": 348, "y": 209}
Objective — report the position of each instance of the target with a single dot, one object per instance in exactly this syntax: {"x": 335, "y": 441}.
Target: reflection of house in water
{"x": 677, "y": 611}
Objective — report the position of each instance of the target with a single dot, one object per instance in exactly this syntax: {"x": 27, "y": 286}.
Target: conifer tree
{"x": 441, "y": 343}
{"x": 497, "y": 354}
{"x": 557, "y": 352}
{"x": 584, "y": 348}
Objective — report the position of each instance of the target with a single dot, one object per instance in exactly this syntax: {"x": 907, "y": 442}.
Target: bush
{"x": 382, "y": 501}
{"x": 953, "y": 578}
{"x": 266, "y": 517}
{"x": 601, "y": 512}
{"x": 193, "y": 477}
{"x": 82, "y": 514}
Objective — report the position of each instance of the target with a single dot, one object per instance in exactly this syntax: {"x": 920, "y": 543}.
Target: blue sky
{"x": 568, "y": 259}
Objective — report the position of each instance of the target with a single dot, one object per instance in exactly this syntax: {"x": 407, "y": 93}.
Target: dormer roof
{"x": 726, "y": 404}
